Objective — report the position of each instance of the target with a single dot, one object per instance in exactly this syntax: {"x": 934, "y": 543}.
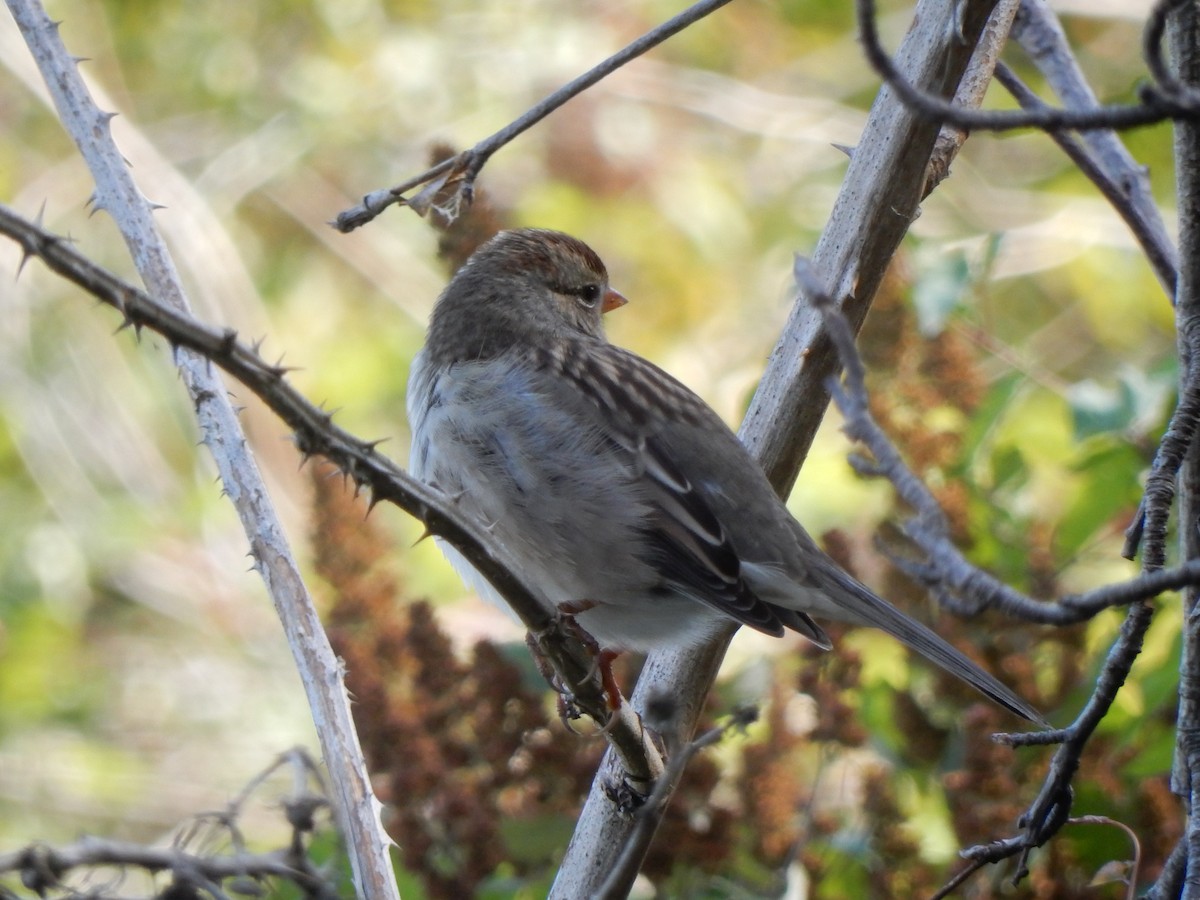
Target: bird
{"x": 624, "y": 497}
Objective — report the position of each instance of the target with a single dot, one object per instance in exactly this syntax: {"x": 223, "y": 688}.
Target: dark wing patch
{"x": 688, "y": 547}
{"x": 686, "y": 543}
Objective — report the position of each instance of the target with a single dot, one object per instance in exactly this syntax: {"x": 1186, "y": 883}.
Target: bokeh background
{"x": 1023, "y": 356}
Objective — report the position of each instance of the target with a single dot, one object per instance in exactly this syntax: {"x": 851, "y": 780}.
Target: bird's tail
{"x": 863, "y": 607}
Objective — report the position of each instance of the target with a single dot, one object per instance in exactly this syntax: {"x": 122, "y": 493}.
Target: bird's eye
{"x": 589, "y": 295}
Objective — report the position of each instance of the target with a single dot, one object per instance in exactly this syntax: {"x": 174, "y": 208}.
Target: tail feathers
{"x": 858, "y": 604}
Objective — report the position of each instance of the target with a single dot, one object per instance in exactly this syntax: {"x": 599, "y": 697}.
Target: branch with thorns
{"x": 315, "y": 433}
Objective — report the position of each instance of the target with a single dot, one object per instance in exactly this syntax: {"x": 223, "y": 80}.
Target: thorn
{"x": 373, "y": 500}
{"x": 40, "y": 218}
{"x": 425, "y": 535}
{"x": 106, "y": 117}
{"x": 228, "y": 341}
{"x": 26, "y": 255}
{"x": 849, "y": 151}
{"x": 80, "y": 59}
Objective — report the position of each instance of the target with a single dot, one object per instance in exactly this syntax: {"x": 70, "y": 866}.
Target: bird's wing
{"x": 683, "y": 538}
{"x": 646, "y": 413}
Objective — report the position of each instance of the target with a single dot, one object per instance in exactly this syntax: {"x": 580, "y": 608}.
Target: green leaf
{"x": 1009, "y": 468}
{"x": 1109, "y": 485}
{"x": 1099, "y": 409}
{"x": 939, "y": 291}
{"x": 989, "y": 416}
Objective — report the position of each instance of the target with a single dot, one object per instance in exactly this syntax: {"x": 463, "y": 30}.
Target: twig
{"x": 45, "y": 869}
{"x": 1003, "y": 849}
{"x": 1155, "y": 106}
{"x": 944, "y": 565}
{"x": 461, "y": 171}
{"x": 1142, "y": 220}
{"x": 971, "y": 89}
{"x": 1040, "y": 34}
{"x": 1051, "y": 808}
{"x": 1135, "y": 865}
{"x": 649, "y": 814}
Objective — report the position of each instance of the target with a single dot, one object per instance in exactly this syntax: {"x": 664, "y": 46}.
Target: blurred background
{"x": 1022, "y": 351}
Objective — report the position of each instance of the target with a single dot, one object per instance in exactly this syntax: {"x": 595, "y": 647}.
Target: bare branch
{"x": 1156, "y": 106}
{"x": 947, "y": 567}
{"x": 460, "y": 171}
{"x": 879, "y": 198}
{"x": 47, "y": 870}
{"x": 1039, "y": 33}
{"x": 1141, "y": 217}
{"x": 1051, "y": 809}
{"x": 1183, "y": 27}
{"x": 944, "y": 566}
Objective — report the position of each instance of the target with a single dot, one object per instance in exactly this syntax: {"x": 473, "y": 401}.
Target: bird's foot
{"x": 568, "y": 709}
{"x": 603, "y": 657}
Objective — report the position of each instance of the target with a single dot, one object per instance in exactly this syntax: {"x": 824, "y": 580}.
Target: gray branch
{"x": 116, "y": 193}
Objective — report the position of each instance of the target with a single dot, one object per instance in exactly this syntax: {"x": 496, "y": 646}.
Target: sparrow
{"x": 625, "y": 498}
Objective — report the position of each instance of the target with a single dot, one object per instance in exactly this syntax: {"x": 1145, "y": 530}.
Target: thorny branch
{"x": 315, "y": 433}
{"x": 461, "y": 171}
{"x": 320, "y": 673}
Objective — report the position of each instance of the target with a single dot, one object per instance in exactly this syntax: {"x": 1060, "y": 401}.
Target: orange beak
{"x": 612, "y": 300}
